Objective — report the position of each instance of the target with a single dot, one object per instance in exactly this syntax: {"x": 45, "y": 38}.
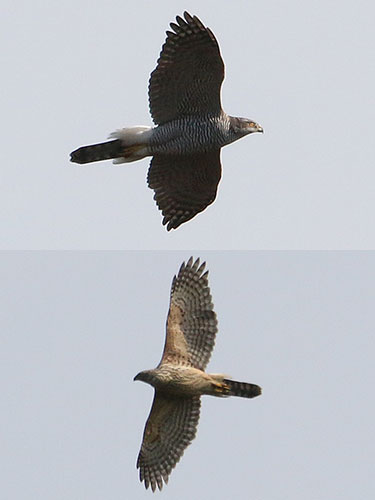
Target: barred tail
{"x": 242, "y": 389}
{"x": 97, "y": 152}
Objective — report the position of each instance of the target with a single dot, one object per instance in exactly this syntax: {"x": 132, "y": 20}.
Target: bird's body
{"x": 187, "y": 135}
{"x": 183, "y": 380}
{"x": 191, "y": 127}
{"x": 180, "y": 378}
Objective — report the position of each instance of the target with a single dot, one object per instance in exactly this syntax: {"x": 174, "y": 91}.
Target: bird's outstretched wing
{"x": 191, "y": 322}
{"x": 170, "y": 428}
{"x": 184, "y": 185}
{"x": 189, "y": 73}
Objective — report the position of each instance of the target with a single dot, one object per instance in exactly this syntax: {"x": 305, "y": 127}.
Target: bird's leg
{"x": 220, "y": 388}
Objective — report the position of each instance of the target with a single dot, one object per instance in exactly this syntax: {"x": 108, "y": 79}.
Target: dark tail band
{"x": 242, "y": 389}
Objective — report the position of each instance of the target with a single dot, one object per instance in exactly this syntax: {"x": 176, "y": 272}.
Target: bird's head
{"x": 244, "y": 126}
{"x": 144, "y": 376}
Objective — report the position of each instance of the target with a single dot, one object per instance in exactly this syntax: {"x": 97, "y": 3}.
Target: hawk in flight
{"x": 179, "y": 379}
{"x": 190, "y": 125}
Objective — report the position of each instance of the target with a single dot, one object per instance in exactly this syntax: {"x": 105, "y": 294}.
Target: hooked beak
{"x": 253, "y": 127}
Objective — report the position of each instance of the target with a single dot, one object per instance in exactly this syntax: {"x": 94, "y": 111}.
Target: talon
{"x": 222, "y": 388}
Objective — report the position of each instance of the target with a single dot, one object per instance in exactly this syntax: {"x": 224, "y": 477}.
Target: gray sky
{"x": 74, "y": 71}
{"x": 76, "y": 328}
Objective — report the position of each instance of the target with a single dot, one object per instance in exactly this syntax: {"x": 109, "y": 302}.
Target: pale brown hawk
{"x": 179, "y": 379}
{"x": 191, "y": 126}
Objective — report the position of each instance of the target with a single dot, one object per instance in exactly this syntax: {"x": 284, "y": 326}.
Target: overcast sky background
{"x": 74, "y": 71}
{"x": 77, "y": 327}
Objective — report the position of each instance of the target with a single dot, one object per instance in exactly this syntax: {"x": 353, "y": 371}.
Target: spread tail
{"x": 97, "y": 152}
{"x": 242, "y": 389}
